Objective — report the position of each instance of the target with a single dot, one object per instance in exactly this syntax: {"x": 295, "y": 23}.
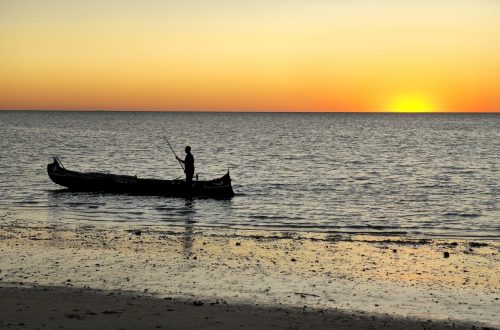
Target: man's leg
{"x": 189, "y": 185}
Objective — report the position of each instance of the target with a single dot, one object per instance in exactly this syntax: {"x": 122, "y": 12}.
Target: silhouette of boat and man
{"x": 219, "y": 188}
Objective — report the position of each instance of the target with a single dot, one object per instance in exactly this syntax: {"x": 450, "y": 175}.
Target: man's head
{"x": 187, "y": 149}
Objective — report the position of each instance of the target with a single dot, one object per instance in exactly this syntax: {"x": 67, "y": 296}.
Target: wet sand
{"x": 148, "y": 277}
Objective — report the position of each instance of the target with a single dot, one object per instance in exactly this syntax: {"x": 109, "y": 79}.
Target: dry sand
{"x": 51, "y": 276}
{"x": 72, "y": 308}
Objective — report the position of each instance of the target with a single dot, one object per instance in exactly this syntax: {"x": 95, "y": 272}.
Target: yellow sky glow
{"x": 236, "y": 55}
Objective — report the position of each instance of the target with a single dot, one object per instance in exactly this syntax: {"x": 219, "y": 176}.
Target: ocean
{"x": 415, "y": 175}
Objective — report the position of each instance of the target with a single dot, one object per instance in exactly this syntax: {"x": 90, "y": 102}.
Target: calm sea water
{"x": 404, "y": 174}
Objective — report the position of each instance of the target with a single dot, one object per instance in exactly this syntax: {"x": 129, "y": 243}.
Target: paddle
{"x": 173, "y": 152}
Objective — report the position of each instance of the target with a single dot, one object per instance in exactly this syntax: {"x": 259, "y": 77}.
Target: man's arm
{"x": 180, "y": 159}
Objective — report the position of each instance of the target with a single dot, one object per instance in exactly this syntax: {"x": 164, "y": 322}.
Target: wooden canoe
{"x": 113, "y": 183}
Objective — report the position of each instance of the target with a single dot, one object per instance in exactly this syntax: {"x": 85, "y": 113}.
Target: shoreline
{"x": 388, "y": 278}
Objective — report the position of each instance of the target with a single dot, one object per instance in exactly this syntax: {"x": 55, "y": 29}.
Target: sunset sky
{"x": 269, "y": 55}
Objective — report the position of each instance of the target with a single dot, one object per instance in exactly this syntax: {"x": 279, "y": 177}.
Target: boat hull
{"x": 112, "y": 183}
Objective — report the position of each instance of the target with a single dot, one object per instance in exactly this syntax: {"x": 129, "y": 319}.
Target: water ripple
{"x": 434, "y": 175}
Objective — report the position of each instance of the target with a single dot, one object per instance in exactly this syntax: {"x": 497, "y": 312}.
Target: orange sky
{"x": 274, "y": 55}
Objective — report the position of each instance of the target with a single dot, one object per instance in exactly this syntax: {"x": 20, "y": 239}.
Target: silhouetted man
{"x": 188, "y": 165}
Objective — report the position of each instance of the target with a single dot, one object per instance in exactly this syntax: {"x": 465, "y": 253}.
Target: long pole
{"x": 173, "y": 152}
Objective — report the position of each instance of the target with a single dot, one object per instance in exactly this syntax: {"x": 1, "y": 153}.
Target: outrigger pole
{"x": 173, "y": 152}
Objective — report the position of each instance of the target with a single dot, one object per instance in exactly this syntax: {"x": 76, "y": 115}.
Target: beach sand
{"x": 84, "y": 276}
{"x": 73, "y": 308}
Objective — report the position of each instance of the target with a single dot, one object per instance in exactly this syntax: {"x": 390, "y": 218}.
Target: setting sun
{"x": 412, "y": 103}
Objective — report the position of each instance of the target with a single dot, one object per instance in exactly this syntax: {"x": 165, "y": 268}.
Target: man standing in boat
{"x": 188, "y": 165}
